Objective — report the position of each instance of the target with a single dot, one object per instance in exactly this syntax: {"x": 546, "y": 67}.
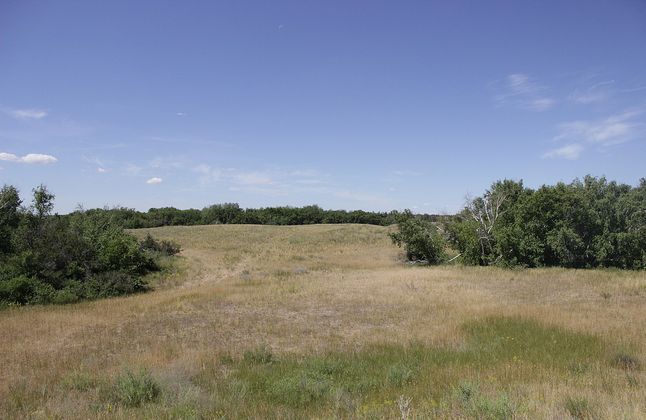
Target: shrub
{"x": 113, "y": 283}
{"x": 163, "y": 247}
{"x": 19, "y": 290}
{"x": 48, "y": 258}
{"x": 135, "y": 389}
{"x": 420, "y": 239}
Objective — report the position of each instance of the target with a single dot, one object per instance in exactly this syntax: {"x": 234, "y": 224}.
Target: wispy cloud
{"x": 615, "y": 129}
{"x": 521, "y": 91}
{"x": 101, "y": 170}
{"x": 569, "y": 152}
{"x": 154, "y": 180}
{"x": 252, "y": 178}
{"x": 30, "y": 158}
{"x": 596, "y": 93}
{"x": 407, "y": 172}
{"x": 26, "y": 114}
{"x": 605, "y": 132}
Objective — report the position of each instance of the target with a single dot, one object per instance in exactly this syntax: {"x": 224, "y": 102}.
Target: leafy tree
{"x": 419, "y": 238}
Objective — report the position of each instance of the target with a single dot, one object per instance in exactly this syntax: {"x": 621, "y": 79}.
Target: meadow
{"x": 329, "y": 321}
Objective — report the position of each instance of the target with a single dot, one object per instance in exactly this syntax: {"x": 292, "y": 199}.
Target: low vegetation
{"x": 325, "y": 322}
{"x": 584, "y": 224}
{"x": 232, "y": 213}
{"x": 47, "y": 258}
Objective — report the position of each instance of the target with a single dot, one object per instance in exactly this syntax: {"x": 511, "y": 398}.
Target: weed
{"x": 260, "y": 355}
{"x": 466, "y": 391}
{"x": 404, "y": 405}
{"x": 578, "y": 408}
{"x": 79, "y": 381}
{"x": 625, "y": 361}
{"x": 135, "y": 389}
{"x": 399, "y": 375}
{"x": 498, "y": 408}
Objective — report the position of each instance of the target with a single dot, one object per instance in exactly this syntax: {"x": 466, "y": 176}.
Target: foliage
{"x": 163, "y": 247}
{"x": 588, "y": 223}
{"x": 47, "y": 258}
{"x": 232, "y": 213}
{"x": 420, "y": 239}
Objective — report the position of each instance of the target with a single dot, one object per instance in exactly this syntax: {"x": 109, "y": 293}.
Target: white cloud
{"x": 598, "y": 92}
{"x": 521, "y": 91}
{"x": 28, "y": 158}
{"x": 615, "y": 129}
{"x": 181, "y": 114}
{"x": 569, "y": 152}
{"x": 9, "y": 157}
{"x": 154, "y": 180}
{"x": 540, "y": 104}
{"x": 26, "y": 114}
{"x": 132, "y": 169}
{"x": 252, "y": 178}
{"x": 101, "y": 170}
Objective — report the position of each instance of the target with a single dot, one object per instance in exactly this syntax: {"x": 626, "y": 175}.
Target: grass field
{"x": 327, "y": 321}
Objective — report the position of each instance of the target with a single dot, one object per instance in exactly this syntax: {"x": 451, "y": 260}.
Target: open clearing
{"x": 327, "y": 321}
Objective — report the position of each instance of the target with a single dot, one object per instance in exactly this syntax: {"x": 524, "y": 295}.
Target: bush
{"x": 163, "y": 247}
{"x": 19, "y": 290}
{"x": 135, "y": 389}
{"x": 47, "y": 258}
{"x": 420, "y": 239}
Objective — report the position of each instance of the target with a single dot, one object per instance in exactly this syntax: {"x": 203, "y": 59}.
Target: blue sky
{"x": 375, "y": 105}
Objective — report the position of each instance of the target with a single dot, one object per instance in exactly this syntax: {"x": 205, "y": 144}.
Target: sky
{"x": 373, "y": 105}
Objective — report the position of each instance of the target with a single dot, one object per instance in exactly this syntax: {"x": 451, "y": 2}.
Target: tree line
{"x": 232, "y": 213}
{"x": 587, "y": 223}
{"x": 47, "y": 258}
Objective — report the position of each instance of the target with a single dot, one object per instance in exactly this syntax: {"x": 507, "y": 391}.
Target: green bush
{"x": 135, "y": 389}
{"x": 584, "y": 224}
{"x": 420, "y": 239}
{"x": 47, "y": 258}
{"x": 163, "y": 247}
{"x": 19, "y": 290}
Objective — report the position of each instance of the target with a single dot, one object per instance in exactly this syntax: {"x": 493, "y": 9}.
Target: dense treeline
{"x": 232, "y": 213}
{"x": 47, "y": 258}
{"x": 587, "y": 223}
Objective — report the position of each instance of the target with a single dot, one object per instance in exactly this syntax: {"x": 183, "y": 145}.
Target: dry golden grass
{"x": 305, "y": 291}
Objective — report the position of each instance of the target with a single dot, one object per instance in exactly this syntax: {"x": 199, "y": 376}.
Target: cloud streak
{"x": 606, "y": 132}
{"x": 521, "y": 91}
{"x": 26, "y": 114}
{"x": 154, "y": 180}
{"x": 30, "y": 158}
{"x": 569, "y": 152}
{"x": 615, "y": 129}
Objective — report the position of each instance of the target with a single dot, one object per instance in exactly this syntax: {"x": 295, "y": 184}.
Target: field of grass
{"x": 326, "y": 322}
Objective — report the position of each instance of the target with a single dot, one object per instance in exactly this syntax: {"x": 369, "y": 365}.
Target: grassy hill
{"x": 327, "y": 321}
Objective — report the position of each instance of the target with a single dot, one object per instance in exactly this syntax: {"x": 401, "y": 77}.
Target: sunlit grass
{"x": 325, "y": 322}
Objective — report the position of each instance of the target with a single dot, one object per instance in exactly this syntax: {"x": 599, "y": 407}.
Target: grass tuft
{"x": 260, "y": 355}
{"x": 626, "y": 362}
{"x": 579, "y": 408}
{"x": 134, "y": 389}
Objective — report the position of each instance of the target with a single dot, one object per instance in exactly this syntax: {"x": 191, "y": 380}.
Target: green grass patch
{"x": 136, "y": 388}
{"x": 512, "y": 339}
{"x": 376, "y": 376}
